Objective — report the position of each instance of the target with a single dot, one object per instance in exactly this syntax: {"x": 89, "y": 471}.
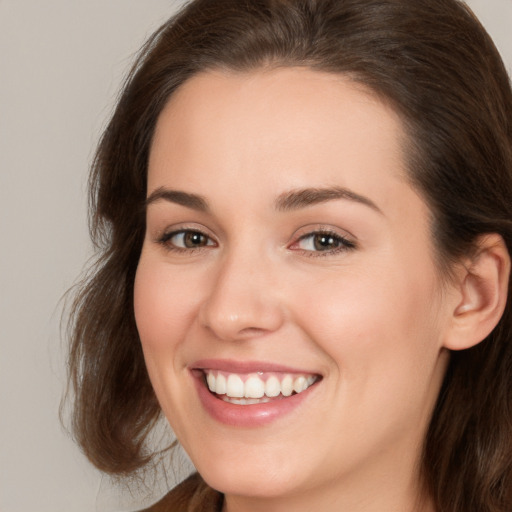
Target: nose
{"x": 242, "y": 302}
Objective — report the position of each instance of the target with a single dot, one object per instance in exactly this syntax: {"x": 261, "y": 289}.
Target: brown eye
{"x": 193, "y": 239}
{"x": 187, "y": 239}
{"x": 324, "y": 242}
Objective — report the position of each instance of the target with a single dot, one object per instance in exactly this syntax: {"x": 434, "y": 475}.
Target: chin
{"x": 262, "y": 478}
{"x": 273, "y": 484}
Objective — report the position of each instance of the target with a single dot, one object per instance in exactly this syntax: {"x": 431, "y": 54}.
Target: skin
{"x": 372, "y": 319}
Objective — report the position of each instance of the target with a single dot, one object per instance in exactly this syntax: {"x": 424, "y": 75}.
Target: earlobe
{"x": 482, "y": 294}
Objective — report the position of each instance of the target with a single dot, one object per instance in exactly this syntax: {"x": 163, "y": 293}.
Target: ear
{"x": 481, "y": 294}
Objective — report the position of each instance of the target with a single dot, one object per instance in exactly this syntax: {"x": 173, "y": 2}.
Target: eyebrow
{"x": 302, "y": 198}
{"x": 292, "y": 200}
{"x": 193, "y": 201}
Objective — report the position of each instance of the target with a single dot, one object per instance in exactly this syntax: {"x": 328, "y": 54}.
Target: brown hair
{"x": 434, "y": 62}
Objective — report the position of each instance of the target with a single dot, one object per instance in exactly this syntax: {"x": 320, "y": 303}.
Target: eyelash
{"x": 343, "y": 244}
{"x": 166, "y": 238}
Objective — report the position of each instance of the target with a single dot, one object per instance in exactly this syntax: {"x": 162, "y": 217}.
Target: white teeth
{"x": 298, "y": 384}
{"x": 220, "y": 387}
{"x": 287, "y": 386}
{"x": 245, "y": 401}
{"x": 254, "y": 387}
{"x": 235, "y": 386}
{"x": 272, "y": 387}
{"x": 255, "y": 390}
{"x": 210, "y": 378}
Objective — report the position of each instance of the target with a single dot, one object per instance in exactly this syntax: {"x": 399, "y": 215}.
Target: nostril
{"x": 252, "y": 332}
{"x": 237, "y": 328}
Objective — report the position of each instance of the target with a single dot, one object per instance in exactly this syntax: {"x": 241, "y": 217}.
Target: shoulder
{"x": 192, "y": 495}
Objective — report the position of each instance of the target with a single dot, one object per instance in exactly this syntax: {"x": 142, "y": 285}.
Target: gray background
{"x": 61, "y": 63}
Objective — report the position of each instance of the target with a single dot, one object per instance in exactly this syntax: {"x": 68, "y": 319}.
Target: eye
{"x": 323, "y": 241}
{"x": 186, "y": 239}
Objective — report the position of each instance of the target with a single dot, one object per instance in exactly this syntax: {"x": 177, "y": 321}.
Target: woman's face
{"x": 286, "y": 249}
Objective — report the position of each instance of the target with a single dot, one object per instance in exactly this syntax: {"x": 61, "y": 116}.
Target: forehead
{"x": 292, "y": 126}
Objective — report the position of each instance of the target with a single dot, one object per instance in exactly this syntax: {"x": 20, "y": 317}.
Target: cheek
{"x": 376, "y": 325}
{"x": 164, "y": 304}
{"x": 164, "y": 309}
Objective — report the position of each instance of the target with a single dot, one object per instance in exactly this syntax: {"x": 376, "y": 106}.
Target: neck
{"x": 328, "y": 502}
{"x": 392, "y": 491}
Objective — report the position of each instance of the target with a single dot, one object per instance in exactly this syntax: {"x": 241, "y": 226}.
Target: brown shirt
{"x": 192, "y": 495}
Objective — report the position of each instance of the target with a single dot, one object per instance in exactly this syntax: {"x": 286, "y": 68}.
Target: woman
{"x": 304, "y": 218}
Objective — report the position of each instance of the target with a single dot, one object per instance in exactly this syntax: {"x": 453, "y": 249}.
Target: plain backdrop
{"x": 61, "y": 63}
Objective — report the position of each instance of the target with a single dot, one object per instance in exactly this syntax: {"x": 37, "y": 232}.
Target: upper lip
{"x": 233, "y": 366}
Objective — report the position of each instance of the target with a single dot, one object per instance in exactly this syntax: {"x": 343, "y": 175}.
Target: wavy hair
{"x": 435, "y": 64}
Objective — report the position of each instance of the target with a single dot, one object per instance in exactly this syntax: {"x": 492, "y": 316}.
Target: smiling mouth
{"x": 258, "y": 387}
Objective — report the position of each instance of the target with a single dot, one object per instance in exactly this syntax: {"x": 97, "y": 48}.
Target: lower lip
{"x": 254, "y": 415}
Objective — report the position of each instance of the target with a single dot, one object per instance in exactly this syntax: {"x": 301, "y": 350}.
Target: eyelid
{"x": 324, "y": 228}
{"x": 184, "y": 232}
{"x": 348, "y": 241}
{"x": 164, "y": 236}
